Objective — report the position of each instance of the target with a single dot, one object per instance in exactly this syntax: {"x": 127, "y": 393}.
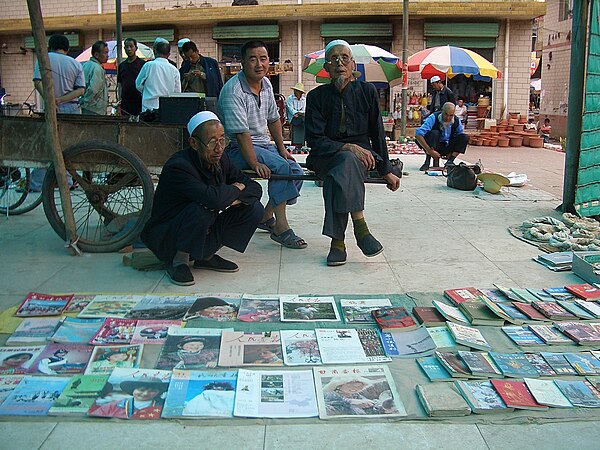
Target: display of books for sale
{"x": 524, "y": 295}
{"x": 443, "y": 339}
{"x": 553, "y": 311}
{"x": 522, "y": 336}
{"x": 578, "y": 393}
{"x": 479, "y": 313}
{"x": 591, "y": 307}
{"x": 394, "y": 319}
{"x": 468, "y": 336}
{"x": 133, "y": 394}
{"x": 550, "y": 335}
{"x": 259, "y": 309}
{"x": 575, "y": 309}
{"x": 34, "y": 331}
{"x": 37, "y": 304}
{"x": 359, "y": 310}
{"x": 216, "y": 307}
{"x": 79, "y": 395}
{"x": 62, "y": 359}
{"x": 78, "y": 303}
{"x": 114, "y": 332}
{"x": 481, "y": 397}
{"x": 556, "y": 260}
{"x": 339, "y": 386}
{"x": 584, "y": 363}
{"x": 152, "y": 332}
{"x": 105, "y": 359}
{"x": 428, "y": 316}
{"x": 33, "y": 396}
{"x": 434, "y": 370}
{"x": 508, "y": 293}
{"x": 540, "y": 364}
{"x": 530, "y": 312}
{"x": 308, "y": 309}
{"x": 190, "y": 348}
{"x": 16, "y": 360}
{"x": 541, "y": 294}
{"x": 348, "y": 345}
{"x": 194, "y": 394}
{"x": 559, "y": 293}
{"x": 408, "y": 344}
{"x": 77, "y": 331}
{"x": 480, "y": 364}
{"x": 162, "y": 307}
{"x": 451, "y": 313}
{"x": 275, "y": 394}
{"x": 582, "y": 333}
{"x": 440, "y": 400}
{"x": 507, "y": 312}
{"x": 110, "y": 306}
{"x": 460, "y": 295}
{"x": 453, "y": 364}
{"x": 494, "y": 295}
{"x": 8, "y": 383}
{"x": 240, "y": 348}
{"x": 516, "y": 395}
{"x": 584, "y": 291}
{"x": 514, "y": 365}
{"x": 300, "y": 347}
{"x": 559, "y": 363}
{"x": 545, "y": 392}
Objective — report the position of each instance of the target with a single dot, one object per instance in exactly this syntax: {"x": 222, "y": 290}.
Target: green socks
{"x": 360, "y": 228}
{"x": 340, "y": 245}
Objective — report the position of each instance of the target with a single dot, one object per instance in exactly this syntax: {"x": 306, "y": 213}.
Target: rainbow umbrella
{"x": 143, "y": 52}
{"x": 374, "y": 64}
{"x": 449, "y": 61}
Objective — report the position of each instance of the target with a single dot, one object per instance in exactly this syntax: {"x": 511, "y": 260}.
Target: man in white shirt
{"x": 296, "y": 106}
{"x": 158, "y": 78}
{"x": 460, "y": 110}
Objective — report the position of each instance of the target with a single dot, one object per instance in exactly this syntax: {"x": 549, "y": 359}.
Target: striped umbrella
{"x": 449, "y": 61}
{"x": 110, "y": 66}
{"x": 374, "y": 64}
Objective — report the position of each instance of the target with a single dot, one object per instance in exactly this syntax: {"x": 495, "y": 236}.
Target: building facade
{"x": 499, "y": 30}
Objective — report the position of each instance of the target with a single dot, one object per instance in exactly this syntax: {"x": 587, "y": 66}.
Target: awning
{"x": 73, "y": 40}
{"x": 465, "y": 35}
{"x": 245, "y": 32}
{"x": 343, "y": 30}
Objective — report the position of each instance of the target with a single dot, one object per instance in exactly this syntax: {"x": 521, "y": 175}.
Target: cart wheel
{"x": 15, "y": 194}
{"x": 111, "y": 197}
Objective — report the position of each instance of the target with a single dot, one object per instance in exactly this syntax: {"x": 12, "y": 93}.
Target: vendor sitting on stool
{"x": 442, "y": 134}
{"x": 202, "y": 203}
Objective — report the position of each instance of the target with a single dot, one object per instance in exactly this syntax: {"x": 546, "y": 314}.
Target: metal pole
{"x": 576, "y": 93}
{"x": 404, "y": 64}
{"x": 39, "y": 38}
{"x": 119, "y": 32}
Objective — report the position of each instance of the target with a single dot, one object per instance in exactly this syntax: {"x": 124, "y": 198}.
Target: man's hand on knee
{"x": 364, "y": 155}
{"x": 261, "y": 170}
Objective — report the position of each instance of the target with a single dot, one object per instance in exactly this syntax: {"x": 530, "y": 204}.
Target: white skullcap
{"x": 182, "y": 41}
{"x": 435, "y": 79}
{"x": 337, "y": 42}
{"x": 199, "y": 119}
{"x": 159, "y": 39}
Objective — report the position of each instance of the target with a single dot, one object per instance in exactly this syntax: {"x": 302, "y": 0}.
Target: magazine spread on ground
{"x": 110, "y": 306}
{"x": 195, "y": 394}
{"x": 133, "y": 394}
{"x": 105, "y": 359}
{"x": 14, "y": 360}
{"x": 152, "y": 332}
{"x": 308, "y": 309}
{"x": 76, "y": 330}
{"x": 254, "y": 308}
{"x": 347, "y": 345}
{"x": 240, "y": 348}
{"x": 215, "y": 307}
{"x": 36, "y": 304}
{"x": 350, "y": 391}
{"x": 275, "y": 394}
{"x": 78, "y": 303}
{"x": 190, "y": 348}
{"x": 300, "y": 347}
{"x": 409, "y": 344}
{"x": 33, "y": 396}
{"x": 79, "y": 395}
{"x": 34, "y": 331}
{"x": 359, "y": 311}
{"x": 62, "y": 359}
{"x": 115, "y": 332}
{"x": 162, "y": 307}
{"x": 8, "y": 383}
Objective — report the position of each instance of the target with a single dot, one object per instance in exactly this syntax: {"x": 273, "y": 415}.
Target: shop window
{"x": 565, "y": 8}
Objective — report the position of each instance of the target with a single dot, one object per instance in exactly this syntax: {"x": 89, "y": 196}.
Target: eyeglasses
{"x": 344, "y": 59}
{"x": 213, "y": 143}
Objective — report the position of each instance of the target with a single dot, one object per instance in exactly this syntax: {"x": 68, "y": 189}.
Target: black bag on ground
{"x": 462, "y": 176}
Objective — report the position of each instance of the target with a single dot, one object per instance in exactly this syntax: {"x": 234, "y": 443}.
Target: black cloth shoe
{"x": 370, "y": 246}
{"x": 336, "y": 257}
{"x": 424, "y": 167}
{"x": 180, "y": 275}
{"x": 217, "y": 264}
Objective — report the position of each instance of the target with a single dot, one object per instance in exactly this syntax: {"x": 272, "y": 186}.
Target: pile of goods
{"x": 573, "y": 233}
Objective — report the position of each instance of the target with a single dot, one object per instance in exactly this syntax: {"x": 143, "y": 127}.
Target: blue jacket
{"x": 214, "y": 81}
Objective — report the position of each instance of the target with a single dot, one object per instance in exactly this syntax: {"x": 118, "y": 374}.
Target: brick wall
{"x": 16, "y": 72}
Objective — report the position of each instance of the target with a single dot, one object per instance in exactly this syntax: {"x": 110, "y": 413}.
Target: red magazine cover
{"x": 460, "y": 295}
{"x": 36, "y": 304}
{"x": 114, "y": 332}
{"x": 516, "y": 395}
{"x": 585, "y": 291}
{"x": 529, "y": 311}
{"x": 397, "y": 319}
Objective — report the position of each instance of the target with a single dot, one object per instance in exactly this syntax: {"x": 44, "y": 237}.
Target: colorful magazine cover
{"x": 162, "y": 307}
{"x": 222, "y": 308}
{"x": 259, "y": 309}
{"x": 33, "y": 396}
{"x": 195, "y": 394}
{"x": 308, "y": 309}
{"x": 481, "y": 396}
{"x": 348, "y": 345}
{"x": 105, "y": 359}
{"x": 359, "y": 311}
{"x": 114, "y": 332}
{"x": 300, "y": 347}
{"x": 77, "y": 331}
{"x": 153, "y": 332}
{"x": 78, "y": 303}
{"x": 34, "y": 330}
{"x": 240, "y": 348}
{"x": 62, "y": 359}
{"x": 275, "y": 393}
{"x": 110, "y": 306}
{"x": 8, "y": 383}
{"x": 79, "y": 395}
{"x": 36, "y": 304}
{"x": 133, "y": 394}
{"x": 351, "y": 391}
{"x": 190, "y": 349}
{"x": 15, "y": 360}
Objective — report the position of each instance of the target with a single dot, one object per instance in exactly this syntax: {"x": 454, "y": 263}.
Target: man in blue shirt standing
{"x": 442, "y": 134}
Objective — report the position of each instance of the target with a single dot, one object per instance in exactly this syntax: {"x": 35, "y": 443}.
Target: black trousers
{"x": 200, "y": 232}
{"x": 456, "y": 144}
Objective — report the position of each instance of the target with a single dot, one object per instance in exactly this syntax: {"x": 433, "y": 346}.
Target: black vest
{"x": 438, "y": 124}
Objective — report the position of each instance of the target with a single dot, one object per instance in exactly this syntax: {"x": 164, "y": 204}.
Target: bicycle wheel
{"x": 112, "y": 200}
{"x": 15, "y": 194}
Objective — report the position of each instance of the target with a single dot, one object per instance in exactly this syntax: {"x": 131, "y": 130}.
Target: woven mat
{"x": 520, "y": 194}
